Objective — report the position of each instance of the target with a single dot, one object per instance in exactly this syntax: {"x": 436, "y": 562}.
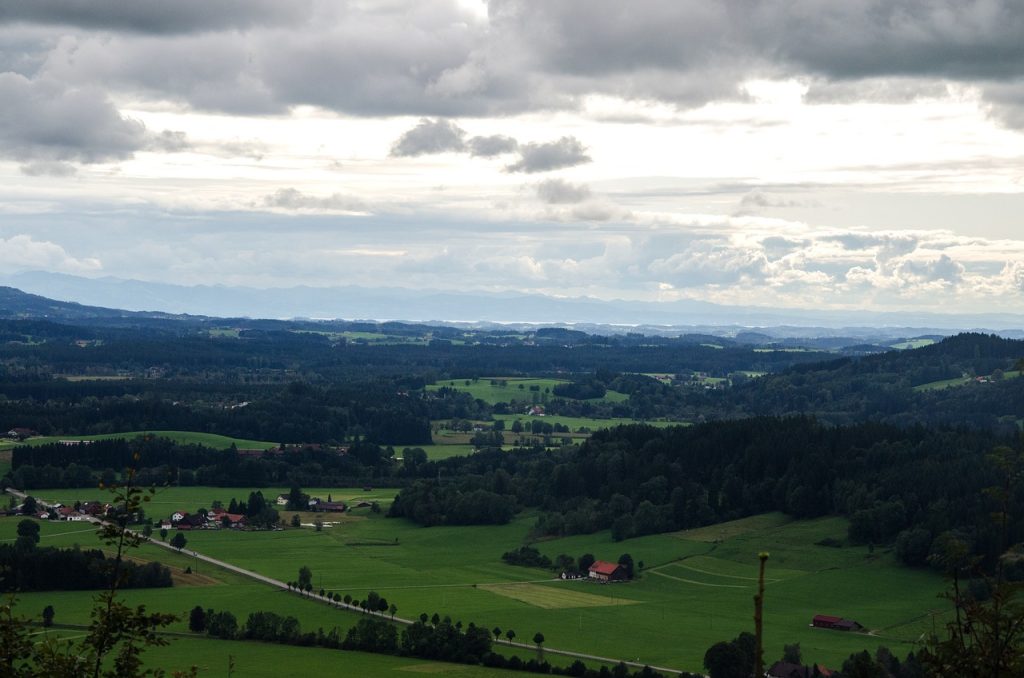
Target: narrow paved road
{"x": 401, "y": 620}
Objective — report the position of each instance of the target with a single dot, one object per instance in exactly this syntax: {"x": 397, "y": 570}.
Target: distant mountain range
{"x": 103, "y": 295}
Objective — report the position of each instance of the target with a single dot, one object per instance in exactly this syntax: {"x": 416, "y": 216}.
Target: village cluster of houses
{"x": 317, "y": 504}
{"x": 81, "y": 511}
{"x": 213, "y": 519}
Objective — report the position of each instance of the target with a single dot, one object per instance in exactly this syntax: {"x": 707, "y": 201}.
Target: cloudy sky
{"x": 821, "y": 153}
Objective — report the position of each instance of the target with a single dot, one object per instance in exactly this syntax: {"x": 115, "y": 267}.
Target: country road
{"x": 401, "y": 620}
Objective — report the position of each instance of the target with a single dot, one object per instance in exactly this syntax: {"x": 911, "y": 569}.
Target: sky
{"x": 814, "y": 154}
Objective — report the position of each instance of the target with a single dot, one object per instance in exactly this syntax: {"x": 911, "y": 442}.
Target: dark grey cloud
{"x": 156, "y": 16}
{"x": 44, "y": 120}
{"x": 488, "y": 147}
{"x": 544, "y": 157}
{"x": 294, "y": 199}
{"x": 434, "y": 58}
{"x": 428, "y": 137}
{"x": 48, "y": 168}
{"x": 561, "y": 192}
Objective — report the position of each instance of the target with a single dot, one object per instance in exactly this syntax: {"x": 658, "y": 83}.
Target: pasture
{"x": 265, "y": 660}
{"x": 959, "y": 381}
{"x": 694, "y": 590}
{"x": 213, "y": 440}
{"x": 912, "y": 343}
{"x": 575, "y": 423}
{"x": 521, "y": 389}
{"x": 170, "y": 499}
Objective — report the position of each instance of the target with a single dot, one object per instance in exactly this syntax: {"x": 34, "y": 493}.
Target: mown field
{"x": 696, "y": 587}
{"x": 514, "y": 388}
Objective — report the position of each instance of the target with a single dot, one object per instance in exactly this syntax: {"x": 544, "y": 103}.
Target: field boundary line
{"x": 715, "y": 574}
{"x": 700, "y": 583}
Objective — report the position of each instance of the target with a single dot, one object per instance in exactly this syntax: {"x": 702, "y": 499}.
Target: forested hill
{"x": 17, "y": 304}
{"x": 969, "y": 379}
{"x": 893, "y": 483}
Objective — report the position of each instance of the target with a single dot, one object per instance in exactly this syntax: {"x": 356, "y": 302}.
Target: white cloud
{"x": 23, "y": 253}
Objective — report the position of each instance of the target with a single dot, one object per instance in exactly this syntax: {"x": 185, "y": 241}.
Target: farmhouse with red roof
{"x": 604, "y": 571}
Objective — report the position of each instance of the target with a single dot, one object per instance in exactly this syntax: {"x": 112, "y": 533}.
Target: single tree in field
{"x": 48, "y": 615}
{"x": 497, "y": 633}
{"x": 178, "y": 541}
{"x": 424, "y": 618}
{"x": 538, "y": 639}
{"x": 163, "y": 534}
{"x": 147, "y": 531}
{"x": 197, "y": 619}
{"x": 296, "y": 521}
{"x": 511, "y": 635}
{"x": 29, "y": 529}
{"x": 29, "y": 505}
{"x": 436, "y": 619}
{"x": 305, "y": 577}
{"x": 393, "y": 609}
{"x": 318, "y": 525}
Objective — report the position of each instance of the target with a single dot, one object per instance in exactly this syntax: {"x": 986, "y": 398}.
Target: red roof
{"x": 827, "y": 619}
{"x": 602, "y": 567}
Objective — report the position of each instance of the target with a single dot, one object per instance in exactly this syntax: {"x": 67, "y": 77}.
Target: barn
{"x": 825, "y": 621}
{"x": 604, "y": 571}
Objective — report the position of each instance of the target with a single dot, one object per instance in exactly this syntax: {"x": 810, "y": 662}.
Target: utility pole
{"x": 759, "y": 619}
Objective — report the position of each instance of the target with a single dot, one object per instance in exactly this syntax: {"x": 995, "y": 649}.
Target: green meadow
{"x": 957, "y": 381}
{"x": 184, "y": 437}
{"x": 514, "y": 388}
{"x": 575, "y": 423}
{"x": 912, "y": 343}
{"x": 170, "y": 499}
{"x": 695, "y": 589}
{"x": 264, "y": 660}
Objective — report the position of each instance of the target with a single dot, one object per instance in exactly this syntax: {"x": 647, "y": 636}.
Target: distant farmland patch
{"x": 213, "y": 440}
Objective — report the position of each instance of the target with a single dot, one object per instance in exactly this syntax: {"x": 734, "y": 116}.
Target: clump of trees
{"x": 30, "y": 568}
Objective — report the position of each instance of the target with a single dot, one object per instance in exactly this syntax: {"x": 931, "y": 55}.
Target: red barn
{"x": 604, "y": 571}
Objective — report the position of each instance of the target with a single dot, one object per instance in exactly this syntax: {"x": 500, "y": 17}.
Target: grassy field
{"x": 170, "y": 499}
{"x": 264, "y": 660}
{"x": 695, "y": 589}
{"x": 958, "y": 381}
{"x": 912, "y": 343}
{"x": 483, "y": 389}
{"x": 184, "y": 437}
{"x": 445, "y": 450}
{"x": 576, "y": 423}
